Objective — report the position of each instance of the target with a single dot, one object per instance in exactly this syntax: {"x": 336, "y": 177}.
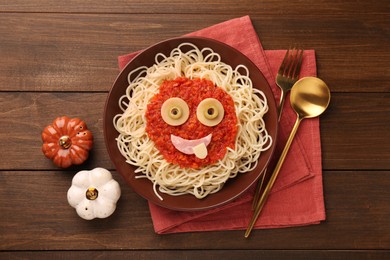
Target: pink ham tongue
{"x": 187, "y": 146}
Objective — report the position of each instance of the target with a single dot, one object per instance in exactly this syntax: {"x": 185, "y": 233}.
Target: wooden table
{"x": 60, "y": 57}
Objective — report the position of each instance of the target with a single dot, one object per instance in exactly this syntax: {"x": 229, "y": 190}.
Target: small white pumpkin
{"x": 94, "y": 193}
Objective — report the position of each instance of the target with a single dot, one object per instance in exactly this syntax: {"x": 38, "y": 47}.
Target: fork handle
{"x": 261, "y": 182}
{"x": 259, "y": 187}
{"x": 281, "y": 103}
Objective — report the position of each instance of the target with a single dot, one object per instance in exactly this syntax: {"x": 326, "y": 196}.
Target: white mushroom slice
{"x": 200, "y": 151}
{"x": 175, "y": 111}
{"x": 210, "y": 112}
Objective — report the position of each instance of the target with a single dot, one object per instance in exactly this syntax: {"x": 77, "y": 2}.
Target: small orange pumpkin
{"x": 67, "y": 141}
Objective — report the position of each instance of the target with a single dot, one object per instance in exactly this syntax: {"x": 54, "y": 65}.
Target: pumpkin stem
{"x": 92, "y": 194}
{"x": 65, "y": 142}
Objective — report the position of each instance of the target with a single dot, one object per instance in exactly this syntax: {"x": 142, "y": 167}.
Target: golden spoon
{"x": 309, "y": 98}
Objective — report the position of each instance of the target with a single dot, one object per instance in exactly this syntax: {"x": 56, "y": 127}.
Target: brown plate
{"x": 234, "y": 187}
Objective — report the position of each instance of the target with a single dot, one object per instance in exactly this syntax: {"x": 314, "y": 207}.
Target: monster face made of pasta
{"x": 190, "y": 122}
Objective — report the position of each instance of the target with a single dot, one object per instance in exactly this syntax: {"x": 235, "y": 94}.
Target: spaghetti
{"x": 139, "y": 149}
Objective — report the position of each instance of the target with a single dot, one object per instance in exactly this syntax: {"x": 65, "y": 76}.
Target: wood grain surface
{"x": 60, "y": 58}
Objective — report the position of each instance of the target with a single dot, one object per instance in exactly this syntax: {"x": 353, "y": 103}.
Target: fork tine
{"x": 284, "y": 64}
{"x": 291, "y": 63}
{"x": 297, "y": 66}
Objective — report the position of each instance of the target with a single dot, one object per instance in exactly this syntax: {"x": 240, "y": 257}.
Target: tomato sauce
{"x": 193, "y": 91}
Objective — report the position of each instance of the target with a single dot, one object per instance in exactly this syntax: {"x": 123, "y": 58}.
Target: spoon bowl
{"x": 309, "y": 97}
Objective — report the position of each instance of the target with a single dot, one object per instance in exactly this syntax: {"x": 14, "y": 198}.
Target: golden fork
{"x": 287, "y": 75}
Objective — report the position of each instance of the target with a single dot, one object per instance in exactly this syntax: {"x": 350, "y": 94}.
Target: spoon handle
{"x": 274, "y": 175}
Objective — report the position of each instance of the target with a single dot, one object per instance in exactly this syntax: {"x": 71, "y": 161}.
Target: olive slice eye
{"x": 210, "y": 112}
{"x": 175, "y": 111}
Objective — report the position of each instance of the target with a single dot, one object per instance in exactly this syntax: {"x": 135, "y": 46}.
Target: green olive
{"x": 211, "y": 112}
{"x": 175, "y": 113}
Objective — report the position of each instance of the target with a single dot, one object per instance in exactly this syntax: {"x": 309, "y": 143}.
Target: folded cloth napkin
{"x": 297, "y": 196}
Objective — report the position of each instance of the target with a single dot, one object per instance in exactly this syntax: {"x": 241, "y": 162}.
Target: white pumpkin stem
{"x": 92, "y": 194}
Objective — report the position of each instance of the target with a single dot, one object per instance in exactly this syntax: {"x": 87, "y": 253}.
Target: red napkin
{"x": 297, "y": 196}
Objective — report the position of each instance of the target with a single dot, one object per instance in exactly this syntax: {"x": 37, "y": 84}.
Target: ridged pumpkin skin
{"x": 67, "y": 141}
{"x": 94, "y": 193}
